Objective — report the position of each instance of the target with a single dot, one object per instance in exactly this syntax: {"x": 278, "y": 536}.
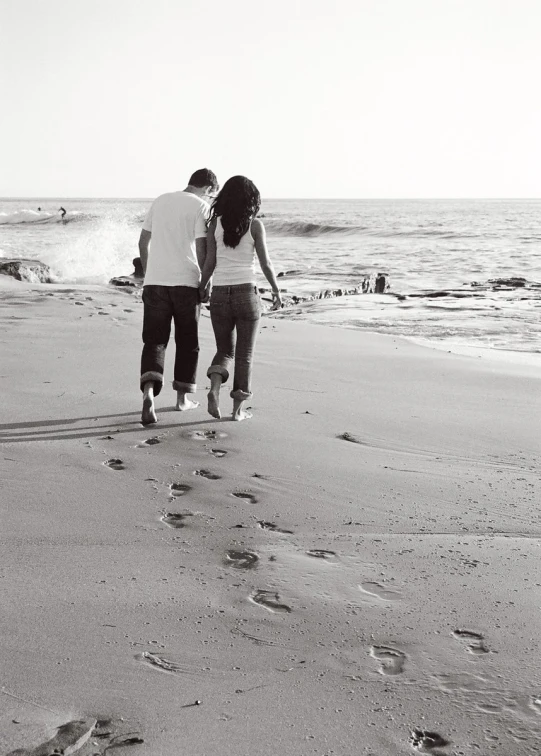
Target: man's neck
{"x": 199, "y": 192}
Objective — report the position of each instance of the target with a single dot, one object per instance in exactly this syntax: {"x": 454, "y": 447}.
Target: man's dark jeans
{"x": 162, "y": 305}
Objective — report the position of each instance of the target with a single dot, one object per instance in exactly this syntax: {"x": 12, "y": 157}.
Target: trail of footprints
{"x": 391, "y": 661}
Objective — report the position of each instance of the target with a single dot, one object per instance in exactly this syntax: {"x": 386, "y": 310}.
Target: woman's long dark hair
{"x": 236, "y": 204}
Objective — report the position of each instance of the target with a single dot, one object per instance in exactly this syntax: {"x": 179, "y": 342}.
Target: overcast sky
{"x": 309, "y": 98}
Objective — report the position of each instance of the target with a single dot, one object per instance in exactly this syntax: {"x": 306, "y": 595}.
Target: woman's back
{"x": 234, "y": 265}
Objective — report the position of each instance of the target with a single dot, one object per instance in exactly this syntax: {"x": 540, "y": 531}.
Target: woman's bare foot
{"x": 183, "y": 403}
{"x": 214, "y": 395}
{"x": 214, "y": 404}
{"x": 148, "y": 415}
{"x": 238, "y": 412}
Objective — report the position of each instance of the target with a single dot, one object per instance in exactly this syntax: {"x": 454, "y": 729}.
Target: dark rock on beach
{"x": 132, "y": 280}
{"x": 32, "y": 271}
{"x": 376, "y": 283}
{"x": 123, "y": 281}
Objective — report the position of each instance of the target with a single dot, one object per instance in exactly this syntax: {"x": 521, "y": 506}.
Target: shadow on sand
{"x": 52, "y": 430}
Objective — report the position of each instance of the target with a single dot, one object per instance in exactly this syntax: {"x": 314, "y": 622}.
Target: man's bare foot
{"x": 183, "y": 403}
{"x": 148, "y": 415}
{"x": 214, "y": 404}
{"x": 238, "y": 412}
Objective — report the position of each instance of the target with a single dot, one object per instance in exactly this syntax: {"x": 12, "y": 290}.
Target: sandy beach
{"x": 352, "y": 572}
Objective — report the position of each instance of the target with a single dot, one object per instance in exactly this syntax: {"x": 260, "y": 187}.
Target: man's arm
{"x": 210, "y": 261}
{"x": 201, "y": 251}
{"x": 144, "y": 242}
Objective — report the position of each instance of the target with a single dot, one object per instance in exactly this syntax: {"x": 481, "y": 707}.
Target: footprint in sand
{"x": 243, "y": 560}
{"x": 207, "y": 474}
{"x": 425, "y": 741}
{"x": 272, "y": 526}
{"x": 174, "y": 519}
{"x": 218, "y": 452}
{"x": 392, "y": 660}
{"x": 205, "y": 435}
{"x": 159, "y": 662}
{"x": 245, "y": 496}
{"x": 178, "y": 489}
{"x": 475, "y": 641}
{"x": 321, "y": 553}
{"x": 115, "y": 464}
{"x": 349, "y": 437}
{"x": 270, "y": 600}
{"x": 107, "y": 733}
{"x": 69, "y": 738}
{"x": 382, "y": 592}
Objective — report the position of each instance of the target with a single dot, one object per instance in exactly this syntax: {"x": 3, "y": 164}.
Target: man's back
{"x": 175, "y": 220}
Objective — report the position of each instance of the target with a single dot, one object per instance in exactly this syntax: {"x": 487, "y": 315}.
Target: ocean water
{"x": 441, "y": 258}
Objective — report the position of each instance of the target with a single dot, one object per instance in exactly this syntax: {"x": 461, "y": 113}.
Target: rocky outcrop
{"x": 32, "y": 271}
{"x": 135, "y": 279}
{"x": 377, "y": 283}
{"x": 480, "y": 288}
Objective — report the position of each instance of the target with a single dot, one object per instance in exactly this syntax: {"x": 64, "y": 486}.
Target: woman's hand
{"x": 276, "y": 300}
{"x": 204, "y": 293}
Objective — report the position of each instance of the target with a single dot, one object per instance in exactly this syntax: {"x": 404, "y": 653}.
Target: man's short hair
{"x": 203, "y": 177}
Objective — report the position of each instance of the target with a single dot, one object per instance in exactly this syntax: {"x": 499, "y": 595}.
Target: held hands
{"x": 204, "y": 293}
{"x": 276, "y": 300}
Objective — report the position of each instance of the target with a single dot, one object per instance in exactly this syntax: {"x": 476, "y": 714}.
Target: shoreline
{"x": 477, "y": 351}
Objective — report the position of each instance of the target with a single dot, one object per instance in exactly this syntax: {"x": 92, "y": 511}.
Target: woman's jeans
{"x": 235, "y": 308}
{"x": 162, "y": 305}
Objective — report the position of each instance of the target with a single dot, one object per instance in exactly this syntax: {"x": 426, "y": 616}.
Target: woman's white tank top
{"x": 234, "y": 265}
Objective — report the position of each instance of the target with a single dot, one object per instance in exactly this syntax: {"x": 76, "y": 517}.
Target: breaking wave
{"x": 306, "y": 228}
{"x": 36, "y": 217}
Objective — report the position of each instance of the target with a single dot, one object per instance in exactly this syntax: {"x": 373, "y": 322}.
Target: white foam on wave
{"x": 36, "y": 216}
{"x": 106, "y": 249}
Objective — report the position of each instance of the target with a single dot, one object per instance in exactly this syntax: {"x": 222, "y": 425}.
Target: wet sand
{"x": 355, "y": 570}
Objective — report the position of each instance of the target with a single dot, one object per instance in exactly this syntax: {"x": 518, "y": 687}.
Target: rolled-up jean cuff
{"x": 240, "y": 395}
{"x": 151, "y": 376}
{"x": 187, "y": 388}
{"x": 218, "y": 370}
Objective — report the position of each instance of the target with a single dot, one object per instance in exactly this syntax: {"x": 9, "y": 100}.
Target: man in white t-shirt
{"x": 173, "y": 248}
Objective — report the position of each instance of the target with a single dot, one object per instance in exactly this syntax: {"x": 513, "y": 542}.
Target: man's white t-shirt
{"x": 175, "y": 220}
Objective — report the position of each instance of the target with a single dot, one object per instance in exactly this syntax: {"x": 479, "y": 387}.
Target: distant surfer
{"x": 62, "y": 212}
{"x": 39, "y": 209}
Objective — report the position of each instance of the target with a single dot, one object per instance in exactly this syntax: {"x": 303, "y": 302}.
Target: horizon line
{"x": 336, "y": 199}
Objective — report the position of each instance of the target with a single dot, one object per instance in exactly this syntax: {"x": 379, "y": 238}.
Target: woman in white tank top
{"x": 235, "y": 239}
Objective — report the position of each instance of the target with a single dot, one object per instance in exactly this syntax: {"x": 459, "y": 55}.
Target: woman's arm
{"x": 210, "y": 259}
{"x": 260, "y": 239}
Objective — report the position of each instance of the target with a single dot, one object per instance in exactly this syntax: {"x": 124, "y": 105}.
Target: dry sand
{"x": 354, "y": 571}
